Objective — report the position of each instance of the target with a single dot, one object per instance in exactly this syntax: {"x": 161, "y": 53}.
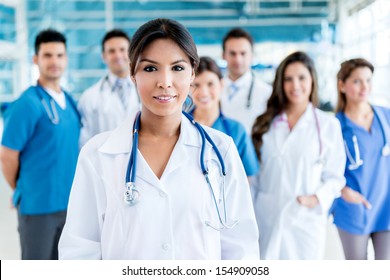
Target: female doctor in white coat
{"x": 302, "y": 161}
{"x": 154, "y": 188}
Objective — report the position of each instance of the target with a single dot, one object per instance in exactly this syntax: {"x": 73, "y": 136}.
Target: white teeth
{"x": 204, "y": 99}
{"x": 164, "y": 97}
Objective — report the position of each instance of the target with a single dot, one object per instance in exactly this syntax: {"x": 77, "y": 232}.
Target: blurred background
{"x": 331, "y": 31}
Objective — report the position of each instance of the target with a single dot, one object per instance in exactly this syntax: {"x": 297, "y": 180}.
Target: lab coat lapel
{"x": 120, "y": 139}
{"x": 297, "y": 135}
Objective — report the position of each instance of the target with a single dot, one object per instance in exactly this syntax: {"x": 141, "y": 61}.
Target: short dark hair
{"x": 113, "y": 34}
{"x": 48, "y": 36}
{"x": 162, "y": 28}
{"x": 237, "y": 33}
{"x": 206, "y": 63}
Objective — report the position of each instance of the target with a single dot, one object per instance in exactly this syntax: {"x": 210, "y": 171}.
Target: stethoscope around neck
{"x": 357, "y": 161}
{"x": 51, "y": 111}
{"x": 250, "y": 92}
{"x": 132, "y": 195}
{"x": 106, "y": 80}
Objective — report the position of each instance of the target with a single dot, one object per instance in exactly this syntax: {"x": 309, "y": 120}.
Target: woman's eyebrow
{"x": 155, "y": 62}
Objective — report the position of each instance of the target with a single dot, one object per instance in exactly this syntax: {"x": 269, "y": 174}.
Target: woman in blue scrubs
{"x": 363, "y": 211}
{"x": 207, "y": 89}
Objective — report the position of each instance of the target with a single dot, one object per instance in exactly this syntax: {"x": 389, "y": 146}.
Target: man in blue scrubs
{"x": 39, "y": 151}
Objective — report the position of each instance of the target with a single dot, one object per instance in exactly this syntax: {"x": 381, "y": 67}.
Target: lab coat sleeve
{"x": 240, "y": 242}
{"x": 332, "y": 177}
{"x": 80, "y": 237}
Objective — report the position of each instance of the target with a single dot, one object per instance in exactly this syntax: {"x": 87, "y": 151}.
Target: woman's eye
{"x": 178, "y": 68}
{"x": 150, "y": 69}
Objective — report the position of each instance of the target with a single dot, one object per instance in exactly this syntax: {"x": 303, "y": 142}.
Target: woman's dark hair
{"x": 346, "y": 69}
{"x": 278, "y": 100}
{"x": 206, "y": 63}
{"x": 162, "y": 28}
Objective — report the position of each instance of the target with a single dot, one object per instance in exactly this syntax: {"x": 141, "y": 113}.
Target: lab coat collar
{"x": 120, "y": 139}
{"x": 113, "y": 80}
{"x": 243, "y": 81}
{"x": 306, "y": 118}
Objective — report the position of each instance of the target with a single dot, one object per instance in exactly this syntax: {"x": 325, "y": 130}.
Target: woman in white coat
{"x": 166, "y": 202}
{"x": 301, "y": 170}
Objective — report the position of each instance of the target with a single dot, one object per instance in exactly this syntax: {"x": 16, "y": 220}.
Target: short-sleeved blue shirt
{"x": 371, "y": 179}
{"x": 48, "y": 151}
{"x": 242, "y": 141}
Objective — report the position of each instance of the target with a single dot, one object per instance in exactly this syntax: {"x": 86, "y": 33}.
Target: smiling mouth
{"x": 164, "y": 98}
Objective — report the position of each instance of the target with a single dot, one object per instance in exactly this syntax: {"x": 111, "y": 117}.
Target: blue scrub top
{"x": 372, "y": 179}
{"x": 48, "y": 152}
{"x": 242, "y": 141}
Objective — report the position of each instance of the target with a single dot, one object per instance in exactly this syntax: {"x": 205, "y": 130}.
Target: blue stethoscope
{"x": 357, "y": 161}
{"x": 132, "y": 195}
{"x": 51, "y": 110}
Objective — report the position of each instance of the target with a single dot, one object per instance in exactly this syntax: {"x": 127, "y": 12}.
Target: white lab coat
{"x": 236, "y": 107}
{"x": 101, "y": 109}
{"x": 290, "y": 168}
{"x": 169, "y": 221}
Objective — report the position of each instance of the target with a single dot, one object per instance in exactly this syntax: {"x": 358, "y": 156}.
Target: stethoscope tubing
{"x": 132, "y": 197}
{"x": 356, "y": 162}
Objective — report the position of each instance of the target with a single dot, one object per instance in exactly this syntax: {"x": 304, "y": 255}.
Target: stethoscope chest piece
{"x": 131, "y": 195}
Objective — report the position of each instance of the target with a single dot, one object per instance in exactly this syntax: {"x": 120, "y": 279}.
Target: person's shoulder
{"x": 260, "y": 83}
{"x": 236, "y": 127}
{"x": 93, "y": 145}
{"x": 221, "y": 140}
{"x": 88, "y": 97}
{"x": 327, "y": 119}
{"x": 92, "y": 90}
{"x": 28, "y": 98}
{"x": 385, "y": 110}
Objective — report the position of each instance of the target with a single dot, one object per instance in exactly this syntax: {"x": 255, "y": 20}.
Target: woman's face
{"x": 163, "y": 76}
{"x": 207, "y": 90}
{"x": 357, "y": 86}
{"x": 297, "y": 83}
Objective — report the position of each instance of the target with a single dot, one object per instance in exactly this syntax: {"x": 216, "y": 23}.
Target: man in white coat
{"x": 245, "y": 95}
{"x": 113, "y": 98}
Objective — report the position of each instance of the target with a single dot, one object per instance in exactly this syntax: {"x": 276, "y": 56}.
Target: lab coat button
{"x": 166, "y": 246}
{"x": 162, "y": 194}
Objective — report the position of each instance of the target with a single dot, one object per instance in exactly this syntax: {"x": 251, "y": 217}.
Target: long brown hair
{"x": 346, "y": 69}
{"x": 278, "y": 100}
